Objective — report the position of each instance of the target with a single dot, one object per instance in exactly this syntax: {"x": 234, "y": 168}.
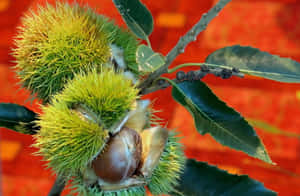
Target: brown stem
{"x": 191, "y": 76}
{"x": 190, "y": 36}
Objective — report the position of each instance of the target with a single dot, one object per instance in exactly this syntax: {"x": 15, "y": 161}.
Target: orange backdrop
{"x": 271, "y": 25}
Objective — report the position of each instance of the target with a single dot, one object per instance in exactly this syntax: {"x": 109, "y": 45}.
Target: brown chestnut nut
{"x": 120, "y": 158}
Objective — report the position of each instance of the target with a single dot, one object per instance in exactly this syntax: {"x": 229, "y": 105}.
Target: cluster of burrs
{"x": 94, "y": 130}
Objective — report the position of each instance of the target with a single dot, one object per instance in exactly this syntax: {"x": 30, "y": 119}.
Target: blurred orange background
{"x": 271, "y": 25}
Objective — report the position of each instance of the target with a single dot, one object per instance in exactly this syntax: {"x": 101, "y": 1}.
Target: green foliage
{"x": 64, "y": 55}
{"x": 137, "y": 17}
{"x": 213, "y": 116}
{"x": 148, "y": 61}
{"x": 252, "y": 61}
{"x": 57, "y": 42}
{"x": 69, "y": 142}
{"x": 167, "y": 173}
{"x": 202, "y": 179}
{"x": 17, "y": 118}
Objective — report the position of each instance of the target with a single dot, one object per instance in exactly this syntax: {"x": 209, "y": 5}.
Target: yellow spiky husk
{"x": 167, "y": 173}
{"x": 56, "y": 42}
{"x": 68, "y": 142}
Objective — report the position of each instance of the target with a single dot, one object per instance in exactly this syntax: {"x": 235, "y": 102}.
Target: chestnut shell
{"x": 120, "y": 158}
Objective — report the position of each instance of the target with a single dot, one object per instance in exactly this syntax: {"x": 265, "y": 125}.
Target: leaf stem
{"x": 168, "y": 80}
{"x": 148, "y": 42}
{"x": 185, "y": 65}
{"x": 190, "y": 36}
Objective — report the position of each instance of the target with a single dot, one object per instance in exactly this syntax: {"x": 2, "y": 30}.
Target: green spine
{"x": 167, "y": 173}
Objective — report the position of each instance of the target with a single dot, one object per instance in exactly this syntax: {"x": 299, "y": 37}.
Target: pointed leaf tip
{"x": 137, "y": 17}
{"x": 17, "y": 118}
{"x": 213, "y": 116}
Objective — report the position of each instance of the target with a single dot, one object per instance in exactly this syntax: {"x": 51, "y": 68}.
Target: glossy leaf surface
{"x": 137, "y": 17}
{"x": 213, "y": 116}
{"x": 201, "y": 179}
{"x": 17, "y": 118}
{"x": 252, "y": 61}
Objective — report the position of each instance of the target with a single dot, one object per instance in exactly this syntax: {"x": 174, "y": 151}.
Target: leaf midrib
{"x": 225, "y": 130}
{"x": 9, "y": 121}
{"x": 137, "y": 25}
{"x": 252, "y": 71}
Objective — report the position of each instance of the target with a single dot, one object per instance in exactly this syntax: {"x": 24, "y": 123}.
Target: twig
{"x": 190, "y": 36}
{"x": 193, "y": 75}
{"x": 57, "y": 187}
{"x": 159, "y": 85}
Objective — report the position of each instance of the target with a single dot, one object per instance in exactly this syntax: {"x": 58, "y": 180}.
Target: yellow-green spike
{"x": 70, "y": 142}
{"x": 167, "y": 173}
{"x": 56, "y": 42}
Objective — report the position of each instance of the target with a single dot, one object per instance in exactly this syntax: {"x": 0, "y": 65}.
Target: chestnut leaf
{"x": 213, "y": 116}
{"x": 252, "y": 61}
{"x": 148, "y": 60}
{"x": 199, "y": 178}
{"x": 17, "y": 118}
{"x": 137, "y": 17}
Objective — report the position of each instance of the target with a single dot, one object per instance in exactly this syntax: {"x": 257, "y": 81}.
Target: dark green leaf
{"x": 213, "y": 116}
{"x": 17, "y": 118}
{"x": 148, "y": 61}
{"x": 137, "y": 17}
{"x": 252, "y": 61}
{"x": 201, "y": 179}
